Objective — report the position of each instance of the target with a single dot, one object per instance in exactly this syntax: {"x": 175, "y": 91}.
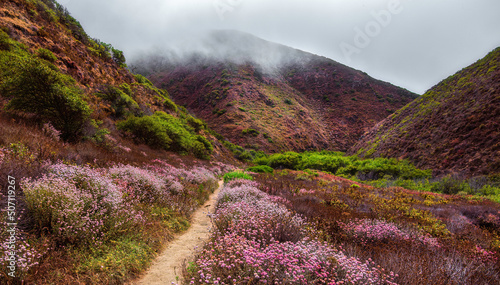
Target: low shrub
{"x": 242, "y": 154}
{"x": 288, "y": 160}
{"x": 251, "y": 132}
{"x": 5, "y": 43}
{"x": 170, "y": 105}
{"x": 142, "y": 80}
{"x": 197, "y": 124}
{"x": 40, "y": 90}
{"x": 147, "y": 130}
{"x": 261, "y": 169}
{"x": 236, "y": 175}
{"x": 46, "y": 55}
{"x": 77, "y": 205}
{"x": 121, "y": 101}
{"x": 450, "y": 185}
{"x": 347, "y": 166}
{"x": 165, "y": 131}
{"x": 258, "y": 240}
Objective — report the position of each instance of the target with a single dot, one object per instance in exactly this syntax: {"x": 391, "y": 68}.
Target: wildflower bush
{"x": 379, "y": 231}
{"x": 139, "y": 184}
{"x": 51, "y": 132}
{"x": 28, "y": 255}
{"x": 110, "y": 220}
{"x": 77, "y": 204}
{"x": 423, "y": 237}
{"x": 257, "y": 240}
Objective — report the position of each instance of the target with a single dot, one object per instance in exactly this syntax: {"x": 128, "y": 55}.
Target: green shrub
{"x": 197, "y": 124}
{"x": 36, "y": 88}
{"x": 219, "y": 112}
{"x": 47, "y": 55}
{"x": 450, "y": 185}
{"x": 288, "y": 101}
{"x": 347, "y": 166}
{"x": 251, "y": 132}
{"x": 121, "y": 102}
{"x": 164, "y": 131}
{"x": 142, "y": 80}
{"x": 261, "y": 169}
{"x": 126, "y": 88}
{"x": 489, "y": 190}
{"x": 202, "y": 147}
{"x": 147, "y": 130}
{"x": 288, "y": 160}
{"x": 118, "y": 57}
{"x": 236, "y": 175}
{"x": 331, "y": 162}
{"x": 5, "y": 43}
{"x": 170, "y": 105}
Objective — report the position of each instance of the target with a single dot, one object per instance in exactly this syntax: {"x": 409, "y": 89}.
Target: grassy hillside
{"x": 454, "y": 126}
{"x": 55, "y": 77}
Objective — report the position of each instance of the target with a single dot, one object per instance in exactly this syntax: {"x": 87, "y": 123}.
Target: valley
{"x": 236, "y": 160}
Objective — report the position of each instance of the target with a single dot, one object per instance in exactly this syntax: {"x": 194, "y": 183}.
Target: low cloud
{"x": 422, "y": 44}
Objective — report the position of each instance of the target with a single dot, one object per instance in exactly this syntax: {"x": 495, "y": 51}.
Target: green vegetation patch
{"x": 251, "y": 132}
{"x": 122, "y": 103}
{"x": 165, "y": 131}
{"x": 35, "y": 86}
{"x": 47, "y": 55}
{"x": 261, "y": 169}
{"x": 347, "y": 166}
{"x": 236, "y": 175}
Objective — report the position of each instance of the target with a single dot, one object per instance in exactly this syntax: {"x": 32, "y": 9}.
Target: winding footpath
{"x": 167, "y": 268}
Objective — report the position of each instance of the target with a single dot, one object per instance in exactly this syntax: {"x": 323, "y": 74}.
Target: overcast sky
{"x": 411, "y": 43}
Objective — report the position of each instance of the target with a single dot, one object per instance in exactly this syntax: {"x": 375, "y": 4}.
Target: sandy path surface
{"x": 167, "y": 267}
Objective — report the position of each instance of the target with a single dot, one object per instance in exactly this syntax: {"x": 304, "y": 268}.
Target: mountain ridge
{"x": 295, "y": 101}
{"x": 452, "y": 127}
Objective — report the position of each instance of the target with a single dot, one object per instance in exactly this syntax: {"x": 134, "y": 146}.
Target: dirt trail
{"x": 168, "y": 266}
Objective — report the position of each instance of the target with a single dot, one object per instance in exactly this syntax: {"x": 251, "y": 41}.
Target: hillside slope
{"x": 454, "y": 126}
{"x": 268, "y": 96}
{"x": 53, "y": 74}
